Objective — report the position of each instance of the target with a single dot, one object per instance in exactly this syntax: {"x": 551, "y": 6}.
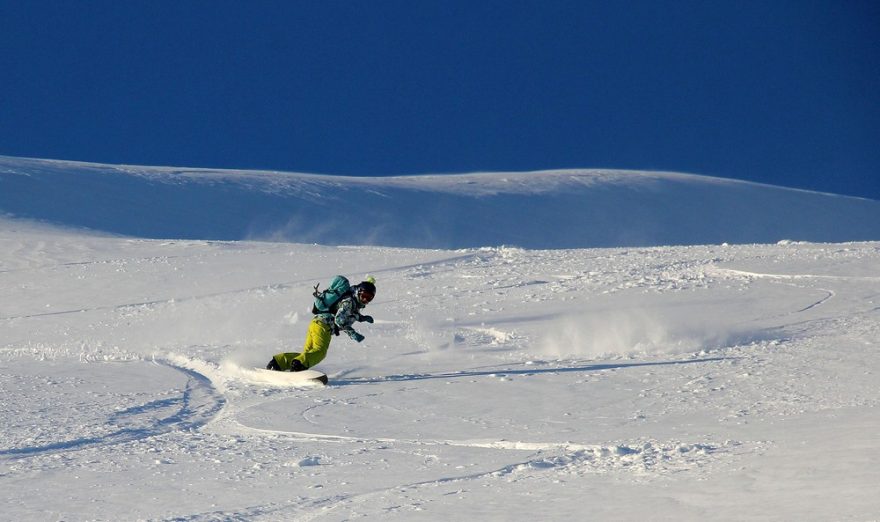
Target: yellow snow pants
{"x": 314, "y": 350}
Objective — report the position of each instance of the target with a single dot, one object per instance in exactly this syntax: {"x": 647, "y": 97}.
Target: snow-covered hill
{"x": 685, "y": 383}
{"x": 703, "y": 382}
{"x": 552, "y": 209}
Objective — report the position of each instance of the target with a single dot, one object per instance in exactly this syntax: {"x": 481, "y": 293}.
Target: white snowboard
{"x": 292, "y": 378}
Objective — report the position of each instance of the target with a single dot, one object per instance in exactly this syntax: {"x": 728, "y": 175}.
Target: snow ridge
{"x": 546, "y": 209}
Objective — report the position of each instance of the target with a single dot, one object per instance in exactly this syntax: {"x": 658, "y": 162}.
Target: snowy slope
{"x": 672, "y": 383}
{"x": 715, "y": 381}
{"x": 552, "y": 209}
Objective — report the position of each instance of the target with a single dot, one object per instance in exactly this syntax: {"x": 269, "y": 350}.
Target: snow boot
{"x": 295, "y": 366}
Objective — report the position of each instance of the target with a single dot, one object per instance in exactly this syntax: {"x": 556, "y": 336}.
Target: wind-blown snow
{"x": 721, "y": 382}
{"x": 551, "y": 209}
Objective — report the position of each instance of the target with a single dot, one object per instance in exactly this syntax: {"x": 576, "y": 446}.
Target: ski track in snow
{"x": 196, "y": 406}
{"x": 494, "y": 373}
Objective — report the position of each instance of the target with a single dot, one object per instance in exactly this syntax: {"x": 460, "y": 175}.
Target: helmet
{"x": 366, "y": 291}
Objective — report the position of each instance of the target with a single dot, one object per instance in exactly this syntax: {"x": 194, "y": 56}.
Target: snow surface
{"x": 706, "y": 382}
{"x": 551, "y": 209}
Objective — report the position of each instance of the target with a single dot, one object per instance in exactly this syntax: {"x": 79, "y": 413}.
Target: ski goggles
{"x": 365, "y": 296}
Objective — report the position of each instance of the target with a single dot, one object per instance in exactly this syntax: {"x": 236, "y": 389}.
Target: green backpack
{"x": 326, "y": 300}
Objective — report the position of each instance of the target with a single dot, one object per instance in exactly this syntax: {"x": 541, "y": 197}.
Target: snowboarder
{"x": 330, "y": 319}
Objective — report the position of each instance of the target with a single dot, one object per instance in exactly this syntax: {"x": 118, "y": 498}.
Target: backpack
{"x": 326, "y": 300}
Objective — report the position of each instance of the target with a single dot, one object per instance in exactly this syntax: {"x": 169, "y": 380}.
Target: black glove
{"x": 366, "y": 318}
{"x": 356, "y": 336}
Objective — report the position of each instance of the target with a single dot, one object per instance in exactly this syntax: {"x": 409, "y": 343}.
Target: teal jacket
{"x": 347, "y": 313}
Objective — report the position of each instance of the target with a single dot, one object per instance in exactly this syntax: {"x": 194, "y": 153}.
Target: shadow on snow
{"x": 503, "y": 373}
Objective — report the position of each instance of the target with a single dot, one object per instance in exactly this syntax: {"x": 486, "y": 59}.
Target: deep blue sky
{"x": 783, "y": 92}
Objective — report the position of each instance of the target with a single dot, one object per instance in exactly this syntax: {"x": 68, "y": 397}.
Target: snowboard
{"x": 294, "y": 378}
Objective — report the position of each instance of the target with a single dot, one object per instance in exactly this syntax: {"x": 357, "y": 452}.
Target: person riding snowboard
{"x": 330, "y": 319}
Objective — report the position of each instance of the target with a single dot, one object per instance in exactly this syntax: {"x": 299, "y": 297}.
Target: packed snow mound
{"x": 546, "y": 209}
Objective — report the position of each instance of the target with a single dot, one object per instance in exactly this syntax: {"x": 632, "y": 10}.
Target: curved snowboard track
{"x": 644, "y": 457}
{"x": 198, "y": 405}
{"x": 202, "y": 401}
